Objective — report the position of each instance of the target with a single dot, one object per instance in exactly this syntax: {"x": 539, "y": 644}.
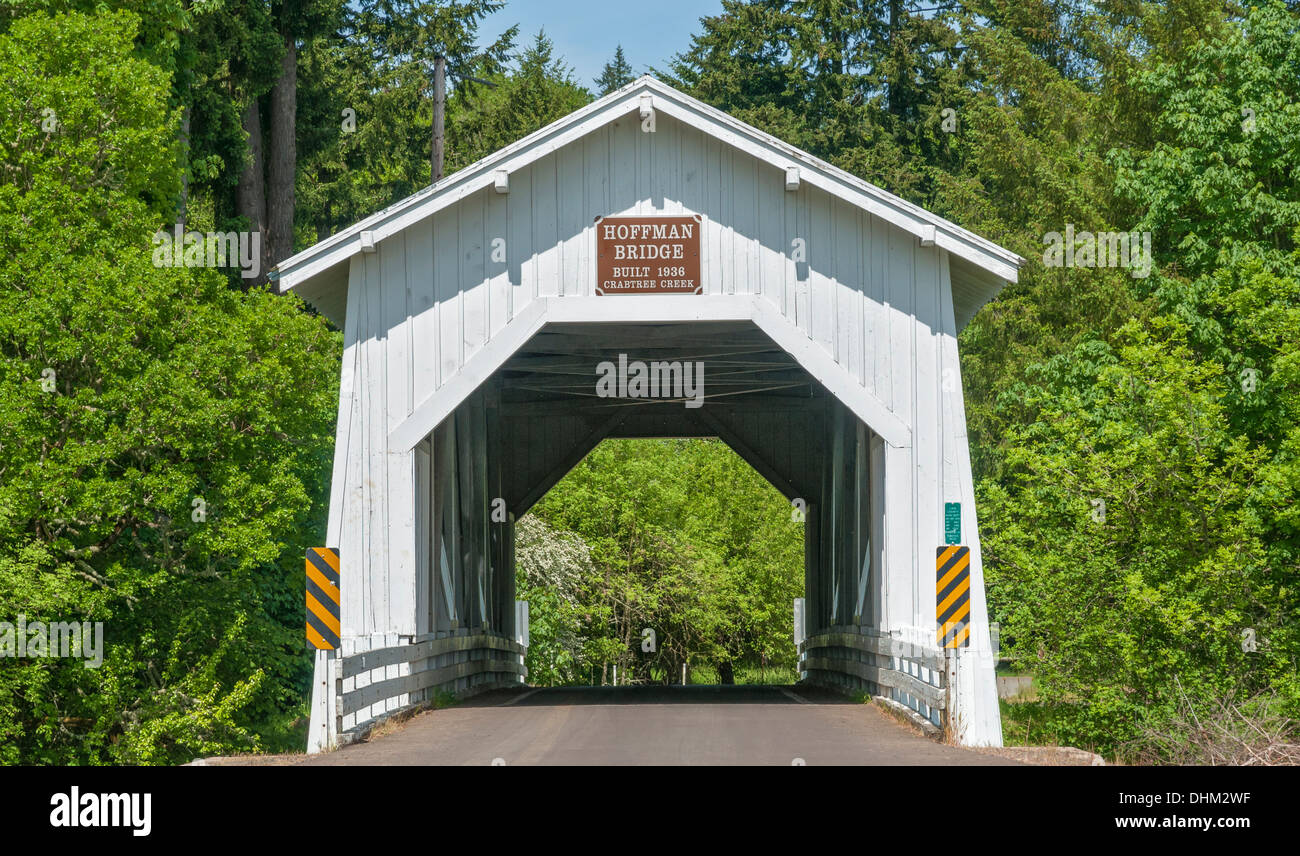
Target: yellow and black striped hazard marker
{"x": 952, "y": 599}
{"x": 323, "y": 598}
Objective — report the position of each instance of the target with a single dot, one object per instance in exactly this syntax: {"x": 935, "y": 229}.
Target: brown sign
{"x": 648, "y": 255}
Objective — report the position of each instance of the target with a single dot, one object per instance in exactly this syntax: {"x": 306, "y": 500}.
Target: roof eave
{"x": 336, "y": 249}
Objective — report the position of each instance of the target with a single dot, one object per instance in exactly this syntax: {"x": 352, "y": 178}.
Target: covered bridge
{"x": 650, "y": 266}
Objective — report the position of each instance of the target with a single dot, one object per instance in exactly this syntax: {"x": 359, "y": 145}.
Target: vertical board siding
{"x": 496, "y": 260}
{"x": 978, "y": 699}
{"x": 346, "y": 496}
{"x": 621, "y": 168}
{"x": 424, "y": 316}
{"x": 545, "y": 228}
{"x": 397, "y": 599}
{"x": 927, "y": 444}
{"x": 847, "y": 295}
{"x": 571, "y": 202}
{"x": 821, "y": 261}
{"x": 447, "y": 293}
{"x": 519, "y": 245}
{"x": 473, "y": 252}
{"x": 375, "y": 484}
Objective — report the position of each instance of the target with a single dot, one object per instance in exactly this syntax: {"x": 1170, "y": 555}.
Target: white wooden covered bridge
{"x": 821, "y": 312}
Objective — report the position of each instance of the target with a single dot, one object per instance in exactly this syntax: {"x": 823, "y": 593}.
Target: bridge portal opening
{"x": 573, "y": 386}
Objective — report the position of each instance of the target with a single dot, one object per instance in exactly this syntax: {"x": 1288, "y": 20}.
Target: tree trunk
{"x": 726, "y": 674}
{"x": 896, "y": 78}
{"x": 250, "y": 195}
{"x": 438, "y": 134}
{"x": 283, "y": 159}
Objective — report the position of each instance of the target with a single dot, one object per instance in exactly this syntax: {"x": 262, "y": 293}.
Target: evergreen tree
{"x": 849, "y": 81}
{"x": 617, "y": 73}
{"x": 366, "y": 105}
{"x": 537, "y": 91}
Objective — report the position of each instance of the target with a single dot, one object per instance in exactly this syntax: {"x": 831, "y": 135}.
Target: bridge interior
{"x": 540, "y": 414}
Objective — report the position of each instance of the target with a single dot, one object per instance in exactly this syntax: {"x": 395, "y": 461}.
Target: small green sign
{"x": 952, "y": 522}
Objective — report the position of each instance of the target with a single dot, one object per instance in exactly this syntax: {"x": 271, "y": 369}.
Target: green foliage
{"x": 379, "y": 65}
{"x": 110, "y": 136}
{"x": 164, "y": 387}
{"x": 539, "y": 90}
{"x": 1110, "y": 605}
{"x": 551, "y": 570}
{"x": 761, "y": 675}
{"x": 679, "y": 536}
{"x": 1221, "y": 179}
{"x": 860, "y": 85}
{"x": 1185, "y": 427}
{"x": 616, "y": 73}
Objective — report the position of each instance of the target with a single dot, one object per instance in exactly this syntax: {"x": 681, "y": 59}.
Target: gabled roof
{"x": 979, "y": 267}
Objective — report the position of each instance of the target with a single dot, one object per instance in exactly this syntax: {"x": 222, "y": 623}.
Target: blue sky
{"x": 586, "y": 31}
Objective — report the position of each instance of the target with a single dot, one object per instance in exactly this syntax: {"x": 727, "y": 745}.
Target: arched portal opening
{"x": 574, "y": 385}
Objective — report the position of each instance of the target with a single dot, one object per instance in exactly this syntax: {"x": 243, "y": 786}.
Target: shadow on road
{"x": 656, "y": 694}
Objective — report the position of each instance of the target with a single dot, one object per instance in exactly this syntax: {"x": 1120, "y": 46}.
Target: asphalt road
{"x": 696, "y": 725}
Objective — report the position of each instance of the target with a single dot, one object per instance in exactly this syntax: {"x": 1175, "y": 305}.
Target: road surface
{"x": 694, "y": 725}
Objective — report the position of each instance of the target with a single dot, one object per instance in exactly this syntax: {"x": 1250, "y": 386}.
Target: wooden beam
{"x": 837, "y": 380}
{"x": 359, "y": 664}
{"x": 570, "y": 460}
{"x": 442, "y": 401}
{"x": 751, "y": 457}
{"x": 933, "y": 696}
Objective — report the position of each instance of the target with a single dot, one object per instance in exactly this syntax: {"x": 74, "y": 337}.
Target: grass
{"x": 1027, "y": 723}
{"x": 1038, "y": 723}
{"x": 746, "y": 675}
{"x": 443, "y": 698}
{"x": 287, "y": 733}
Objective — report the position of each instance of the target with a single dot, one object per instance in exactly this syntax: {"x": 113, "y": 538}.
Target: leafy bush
{"x": 165, "y": 437}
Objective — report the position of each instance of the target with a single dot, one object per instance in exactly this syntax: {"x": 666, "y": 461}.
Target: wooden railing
{"x": 378, "y": 683}
{"x": 909, "y": 673}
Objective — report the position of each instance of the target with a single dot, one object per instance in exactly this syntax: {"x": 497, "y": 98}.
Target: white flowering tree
{"x": 550, "y": 569}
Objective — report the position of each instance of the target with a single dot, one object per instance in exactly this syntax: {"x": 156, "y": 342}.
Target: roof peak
{"x": 995, "y": 261}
